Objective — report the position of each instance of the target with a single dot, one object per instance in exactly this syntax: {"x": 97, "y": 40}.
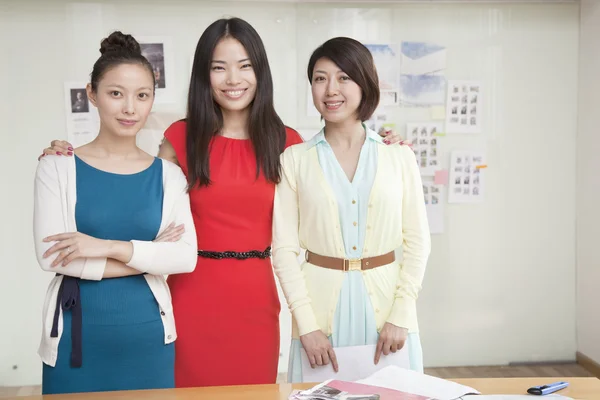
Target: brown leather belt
{"x": 350, "y": 265}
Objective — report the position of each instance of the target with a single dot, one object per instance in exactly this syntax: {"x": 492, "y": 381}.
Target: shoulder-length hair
{"x": 355, "y": 60}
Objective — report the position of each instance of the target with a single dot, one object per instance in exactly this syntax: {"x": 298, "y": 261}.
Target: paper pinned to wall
{"x": 441, "y": 177}
{"x": 434, "y": 203}
{"x": 387, "y": 62}
{"x": 464, "y": 107}
{"x": 158, "y": 50}
{"x": 422, "y": 74}
{"x": 466, "y": 179}
{"x": 81, "y": 116}
{"x": 425, "y": 140}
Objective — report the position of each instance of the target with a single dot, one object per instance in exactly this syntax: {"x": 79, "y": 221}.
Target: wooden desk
{"x": 579, "y": 388}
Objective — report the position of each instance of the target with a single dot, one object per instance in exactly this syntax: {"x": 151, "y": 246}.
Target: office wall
{"x": 501, "y": 270}
{"x": 588, "y": 184}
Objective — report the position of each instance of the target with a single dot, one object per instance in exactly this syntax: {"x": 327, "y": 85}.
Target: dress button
{"x": 353, "y": 247}
{"x": 353, "y": 201}
{"x": 162, "y": 313}
{"x": 355, "y": 223}
{"x": 377, "y": 310}
{"x": 368, "y": 226}
{"x": 169, "y": 337}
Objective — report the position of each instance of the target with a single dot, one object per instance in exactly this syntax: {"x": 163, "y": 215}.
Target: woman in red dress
{"x": 227, "y": 312}
{"x": 228, "y": 146}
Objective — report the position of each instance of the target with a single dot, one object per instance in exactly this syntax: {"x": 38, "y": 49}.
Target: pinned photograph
{"x": 79, "y": 101}
{"x": 155, "y": 54}
{"x": 434, "y": 200}
{"x": 466, "y": 103}
{"x": 464, "y": 176}
{"x": 424, "y": 145}
{"x": 158, "y": 52}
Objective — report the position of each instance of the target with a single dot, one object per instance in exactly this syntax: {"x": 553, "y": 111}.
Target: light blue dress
{"x": 354, "y": 319}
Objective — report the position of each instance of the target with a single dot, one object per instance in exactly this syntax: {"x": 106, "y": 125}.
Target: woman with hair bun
{"x": 110, "y": 222}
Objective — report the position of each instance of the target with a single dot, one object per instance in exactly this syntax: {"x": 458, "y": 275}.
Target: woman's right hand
{"x": 318, "y": 349}
{"x": 59, "y": 148}
{"x": 171, "y": 234}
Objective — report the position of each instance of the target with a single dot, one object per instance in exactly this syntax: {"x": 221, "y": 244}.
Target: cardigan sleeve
{"x": 165, "y": 258}
{"x": 416, "y": 244}
{"x": 50, "y": 218}
{"x": 286, "y": 248}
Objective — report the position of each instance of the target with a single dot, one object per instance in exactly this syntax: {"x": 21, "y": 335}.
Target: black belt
{"x": 238, "y": 255}
{"x": 69, "y": 298}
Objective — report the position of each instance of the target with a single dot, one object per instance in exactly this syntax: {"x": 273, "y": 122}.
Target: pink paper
{"x": 441, "y": 177}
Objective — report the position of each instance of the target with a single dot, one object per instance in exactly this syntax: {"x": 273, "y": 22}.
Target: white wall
{"x": 588, "y": 184}
{"x": 501, "y": 267}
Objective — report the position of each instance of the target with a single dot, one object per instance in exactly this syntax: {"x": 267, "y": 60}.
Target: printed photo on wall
{"x": 466, "y": 177}
{"x": 81, "y": 117}
{"x": 425, "y": 143}
{"x": 158, "y": 51}
{"x": 464, "y": 100}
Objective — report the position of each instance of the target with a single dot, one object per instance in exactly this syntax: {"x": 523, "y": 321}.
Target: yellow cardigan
{"x": 306, "y": 215}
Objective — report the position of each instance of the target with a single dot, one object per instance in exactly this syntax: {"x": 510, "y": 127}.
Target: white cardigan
{"x": 54, "y": 213}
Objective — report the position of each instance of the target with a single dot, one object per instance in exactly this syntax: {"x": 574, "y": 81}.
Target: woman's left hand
{"x": 74, "y": 245}
{"x": 392, "y": 137}
{"x": 391, "y": 339}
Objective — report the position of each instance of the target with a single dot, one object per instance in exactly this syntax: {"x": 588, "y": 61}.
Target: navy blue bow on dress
{"x": 69, "y": 299}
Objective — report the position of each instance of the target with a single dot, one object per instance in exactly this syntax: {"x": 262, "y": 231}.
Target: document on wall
{"x": 464, "y": 107}
{"x": 434, "y": 205}
{"x": 81, "y": 117}
{"x": 422, "y": 74}
{"x": 387, "y": 62}
{"x": 158, "y": 50}
{"x": 354, "y": 362}
{"x": 466, "y": 177}
{"x": 425, "y": 140}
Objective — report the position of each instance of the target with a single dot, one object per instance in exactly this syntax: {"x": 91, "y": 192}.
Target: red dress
{"x": 227, "y": 311}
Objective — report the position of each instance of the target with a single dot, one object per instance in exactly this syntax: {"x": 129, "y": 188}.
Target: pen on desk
{"x": 547, "y": 389}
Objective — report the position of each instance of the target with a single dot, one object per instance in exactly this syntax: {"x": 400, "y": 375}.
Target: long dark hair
{"x": 205, "y": 119}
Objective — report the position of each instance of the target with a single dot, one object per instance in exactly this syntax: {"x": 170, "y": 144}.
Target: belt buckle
{"x": 353, "y": 265}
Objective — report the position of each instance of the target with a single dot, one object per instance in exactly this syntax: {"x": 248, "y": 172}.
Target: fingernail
{"x": 70, "y": 148}
{"x": 70, "y": 153}
{"x": 386, "y": 141}
{"x": 58, "y": 153}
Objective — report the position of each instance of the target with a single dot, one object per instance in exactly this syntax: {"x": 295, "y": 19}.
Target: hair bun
{"x": 120, "y": 42}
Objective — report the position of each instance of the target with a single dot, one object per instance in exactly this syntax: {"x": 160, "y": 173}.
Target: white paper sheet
{"x": 387, "y": 62}
{"x": 422, "y": 74}
{"x": 466, "y": 179}
{"x": 514, "y": 397}
{"x": 81, "y": 117}
{"x": 409, "y": 381}
{"x": 425, "y": 139}
{"x": 434, "y": 203}
{"x": 464, "y": 107}
{"x": 354, "y": 363}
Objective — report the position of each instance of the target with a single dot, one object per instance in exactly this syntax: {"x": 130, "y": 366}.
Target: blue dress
{"x": 122, "y": 334}
{"x": 354, "y": 319}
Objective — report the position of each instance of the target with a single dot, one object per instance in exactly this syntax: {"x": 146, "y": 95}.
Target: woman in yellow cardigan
{"x": 350, "y": 201}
